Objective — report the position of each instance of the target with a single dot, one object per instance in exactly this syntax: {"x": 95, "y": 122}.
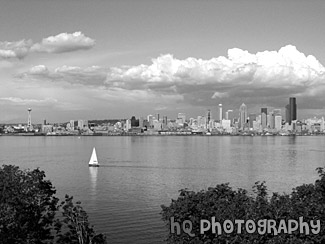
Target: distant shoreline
{"x": 172, "y": 134}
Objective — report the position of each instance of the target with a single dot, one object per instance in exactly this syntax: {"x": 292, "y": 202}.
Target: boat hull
{"x": 93, "y": 165}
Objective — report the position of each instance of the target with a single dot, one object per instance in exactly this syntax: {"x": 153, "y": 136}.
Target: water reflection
{"x": 93, "y": 171}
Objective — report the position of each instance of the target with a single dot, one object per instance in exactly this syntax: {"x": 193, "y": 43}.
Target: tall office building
{"x": 229, "y": 115}
{"x": 276, "y": 119}
{"x": 242, "y": 115}
{"x": 287, "y": 108}
{"x": 264, "y": 117}
{"x": 220, "y": 112}
{"x": 277, "y": 122}
{"x": 291, "y": 110}
{"x": 208, "y": 116}
{"x": 72, "y": 124}
{"x": 271, "y": 120}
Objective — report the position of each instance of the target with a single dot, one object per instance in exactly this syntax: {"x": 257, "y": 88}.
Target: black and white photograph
{"x": 172, "y": 121}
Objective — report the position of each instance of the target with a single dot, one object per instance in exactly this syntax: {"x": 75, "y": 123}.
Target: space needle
{"x": 29, "y": 122}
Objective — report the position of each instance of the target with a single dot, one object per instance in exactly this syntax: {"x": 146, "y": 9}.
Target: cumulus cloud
{"x": 267, "y": 78}
{"x": 64, "y": 42}
{"x": 17, "y": 49}
{"x": 93, "y": 75}
{"x": 286, "y": 66}
{"x": 39, "y": 70}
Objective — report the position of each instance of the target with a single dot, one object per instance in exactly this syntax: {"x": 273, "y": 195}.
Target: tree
{"x": 28, "y": 208}
{"x": 224, "y": 203}
{"x": 76, "y": 225}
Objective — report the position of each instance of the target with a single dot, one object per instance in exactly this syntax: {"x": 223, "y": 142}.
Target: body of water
{"x": 138, "y": 174}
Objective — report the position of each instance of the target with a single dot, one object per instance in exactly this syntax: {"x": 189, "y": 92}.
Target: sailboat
{"x": 93, "y": 159}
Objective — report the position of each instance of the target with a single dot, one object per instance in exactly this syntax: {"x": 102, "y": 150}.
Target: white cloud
{"x": 219, "y": 95}
{"x": 93, "y": 75}
{"x": 39, "y": 70}
{"x": 267, "y": 77}
{"x": 17, "y": 49}
{"x": 64, "y": 42}
{"x": 286, "y": 66}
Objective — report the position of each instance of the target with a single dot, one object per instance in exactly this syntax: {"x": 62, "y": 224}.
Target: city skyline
{"x": 117, "y": 59}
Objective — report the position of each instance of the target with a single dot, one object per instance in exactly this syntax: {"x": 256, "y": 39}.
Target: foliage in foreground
{"x": 28, "y": 208}
{"x": 224, "y": 203}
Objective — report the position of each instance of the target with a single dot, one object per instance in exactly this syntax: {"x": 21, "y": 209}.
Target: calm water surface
{"x": 138, "y": 174}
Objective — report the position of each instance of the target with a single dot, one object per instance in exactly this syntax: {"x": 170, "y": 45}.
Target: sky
{"x": 96, "y": 59}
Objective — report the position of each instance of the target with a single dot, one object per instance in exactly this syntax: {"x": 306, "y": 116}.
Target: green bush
{"x": 224, "y": 204}
{"x": 28, "y": 208}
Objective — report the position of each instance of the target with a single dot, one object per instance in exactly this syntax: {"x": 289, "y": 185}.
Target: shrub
{"x": 224, "y": 203}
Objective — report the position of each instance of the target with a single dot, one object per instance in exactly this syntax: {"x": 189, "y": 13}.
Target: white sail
{"x": 93, "y": 159}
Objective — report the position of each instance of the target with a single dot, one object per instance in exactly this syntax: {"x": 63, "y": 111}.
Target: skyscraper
{"x": 220, "y": 112}
{"x": 208, "y": 116}
{"x": 229, "y": 115}
{"x": 242, "y": 115}
{"x": 293, "y": 108}
{"x": 264, "y": 117}
{"x": 287, "y": 108}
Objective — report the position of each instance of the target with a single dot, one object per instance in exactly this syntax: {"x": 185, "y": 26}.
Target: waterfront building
{"x": 127, "y": 125}
{"x": 226, "y": 124}
{"x": 72, "y": 124}
{"x": 256, "y": 125}
{"x": 47, "y": 129}
{"x": 220, "y": 112}
{"x": 82, "y": 124}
